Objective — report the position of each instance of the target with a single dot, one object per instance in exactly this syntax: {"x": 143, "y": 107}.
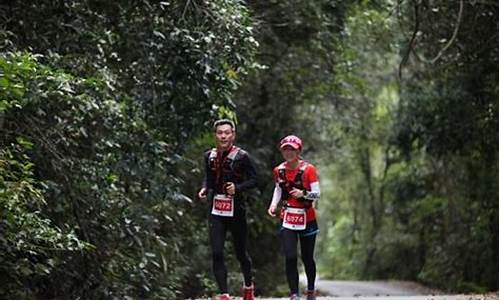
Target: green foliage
{"x": 173, "y": 60}
{"x": 452, "y": 113}
{"x": 108, "y": 105}
{"x": 416, "y": 172}
{"x": 31, "y": 244}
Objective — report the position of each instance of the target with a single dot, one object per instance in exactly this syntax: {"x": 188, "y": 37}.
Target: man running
{"x": 229, "y": 173}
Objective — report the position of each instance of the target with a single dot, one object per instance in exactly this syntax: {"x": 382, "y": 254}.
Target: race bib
{"x": 294, "y": 218}
{"x": 223, "y": 205}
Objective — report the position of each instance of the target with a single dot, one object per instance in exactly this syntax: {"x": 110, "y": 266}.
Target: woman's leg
{"x": 289, "y": 242}
{"x": 307, "y": 253}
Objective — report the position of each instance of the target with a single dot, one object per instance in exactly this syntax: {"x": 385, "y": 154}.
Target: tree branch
{"x": 412, "y": 41}
{"x": 455, "y": 32}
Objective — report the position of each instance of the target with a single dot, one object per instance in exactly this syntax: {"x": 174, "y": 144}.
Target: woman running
{"x": 297, "y": 187}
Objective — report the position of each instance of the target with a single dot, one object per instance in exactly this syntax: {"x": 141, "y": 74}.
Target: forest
{"x": 106, "y": 108}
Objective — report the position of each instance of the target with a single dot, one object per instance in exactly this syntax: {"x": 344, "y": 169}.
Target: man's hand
{"x": 202, "y": 194}
{"x": 296, "y": 193}
{"x": 230, "y": 188}
{"x": 272, "y": 210}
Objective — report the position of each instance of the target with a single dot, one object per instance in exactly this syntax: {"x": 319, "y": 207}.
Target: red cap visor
{"x": 293, "y": 145}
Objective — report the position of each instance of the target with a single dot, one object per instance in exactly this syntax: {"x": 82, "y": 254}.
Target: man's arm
{"x": 207, "y": 179}
{"x": 251, "y": 174}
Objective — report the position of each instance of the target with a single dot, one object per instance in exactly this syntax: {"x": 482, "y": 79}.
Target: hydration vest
{"x": 287, "y": 185}
{"x": 227, "y": 168}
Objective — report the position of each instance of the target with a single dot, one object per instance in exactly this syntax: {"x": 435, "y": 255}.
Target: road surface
{"x": 372, "y": 288}
{"x": 381, "y": 290}
{"x": 441, "y": 297}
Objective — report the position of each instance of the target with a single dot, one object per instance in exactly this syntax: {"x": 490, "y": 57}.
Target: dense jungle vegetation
{"x": 106, "y": 108}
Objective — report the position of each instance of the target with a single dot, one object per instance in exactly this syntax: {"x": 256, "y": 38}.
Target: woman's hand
{"x": 272, "y": 210}
{"x": 296, "y": 193}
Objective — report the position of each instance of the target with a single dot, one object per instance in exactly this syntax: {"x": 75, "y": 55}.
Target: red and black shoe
{"x": 310, "y": 295}
{"x": 248, "y": 292}
{"x": 224, "y": 297}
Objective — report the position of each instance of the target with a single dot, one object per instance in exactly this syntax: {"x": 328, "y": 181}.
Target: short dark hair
{"x": 224, "y": 122}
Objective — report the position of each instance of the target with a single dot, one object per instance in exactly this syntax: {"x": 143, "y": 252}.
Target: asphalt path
{"x": 386, "y": 290}
{"x": 381, "y": 290}
{"x": 339, "y": 288}
{"x": 440, "y": 297}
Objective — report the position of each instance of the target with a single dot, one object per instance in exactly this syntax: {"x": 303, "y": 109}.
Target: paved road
{"x": 372, "y": 288}
{"x": 382, "y": 290}
{"x": 441, "y": 297}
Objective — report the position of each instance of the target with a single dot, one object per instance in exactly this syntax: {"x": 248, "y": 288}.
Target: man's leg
{"x": 217, "y": 236}
{"x": 239, "y": 233}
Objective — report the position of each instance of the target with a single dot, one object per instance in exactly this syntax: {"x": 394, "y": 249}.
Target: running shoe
{"x": 248, "y": 292}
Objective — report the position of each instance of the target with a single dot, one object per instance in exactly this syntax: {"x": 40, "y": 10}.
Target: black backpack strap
{"x": 298, "y": 181}
{"x": 212, "y": 158}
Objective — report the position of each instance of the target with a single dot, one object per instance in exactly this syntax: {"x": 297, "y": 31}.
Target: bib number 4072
{"x": 223, "y": 205}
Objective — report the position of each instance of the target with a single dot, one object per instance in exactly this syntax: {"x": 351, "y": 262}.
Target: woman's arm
{"x": 274, "y": 202}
